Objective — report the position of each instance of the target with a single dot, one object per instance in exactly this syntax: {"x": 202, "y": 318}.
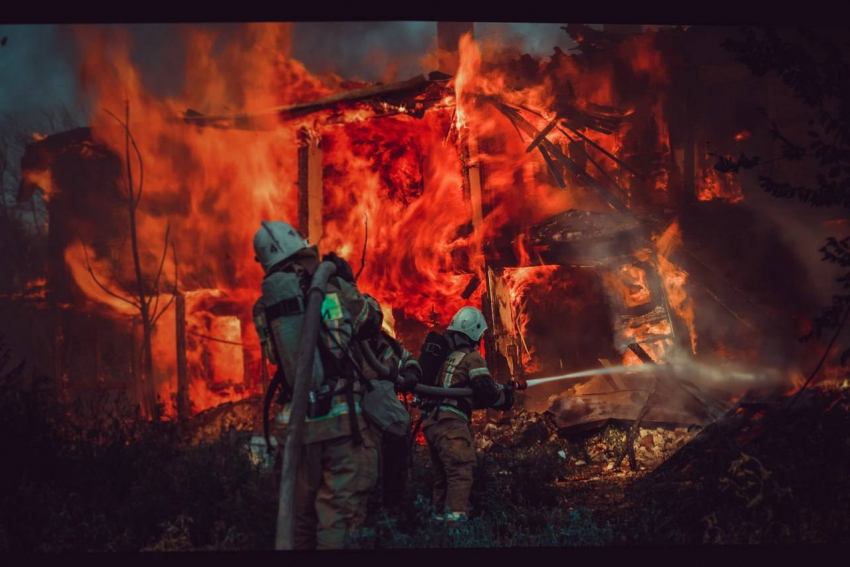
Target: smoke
{"x": 37, "y": 67}
{"x": 368, "y": 51}
{"x": 804, "y": 231}
{"x": 734, "y": 378}
{"x": 531, "y": 38}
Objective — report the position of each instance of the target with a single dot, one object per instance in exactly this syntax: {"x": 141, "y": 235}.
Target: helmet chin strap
{"x": 457, "y": 339}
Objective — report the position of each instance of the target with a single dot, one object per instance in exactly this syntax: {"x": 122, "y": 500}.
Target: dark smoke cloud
{"x": 363, "y": 50}
{"x": 38, "y": 72}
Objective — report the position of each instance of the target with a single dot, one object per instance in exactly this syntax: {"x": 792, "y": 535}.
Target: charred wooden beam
{"x": 472, "y": 176}
{"x": 553, "y": 168}
{"x": 605, "y": 152}
{"x": 473, "y": 284}
{"x": 182, "y": 366}
{"x": 582, "y": 175}
{"x": 542, "y": 135}
{"x": 250, "y": 120}
{"x": 620, "y": 191}
{"x": 641, "y": 354}
{"x": 310, "y": 186}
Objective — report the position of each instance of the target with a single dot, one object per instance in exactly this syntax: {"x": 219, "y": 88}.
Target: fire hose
{"x": 285, "y": 536}
{"x": 422, "y": 389}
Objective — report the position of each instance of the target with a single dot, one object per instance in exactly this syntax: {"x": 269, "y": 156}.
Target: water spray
{"x": 692, "y": 369}
{"x": 523, "y": 384}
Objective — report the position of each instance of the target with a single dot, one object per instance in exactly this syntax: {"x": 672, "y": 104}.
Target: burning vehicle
{"x": 640, "y": 292}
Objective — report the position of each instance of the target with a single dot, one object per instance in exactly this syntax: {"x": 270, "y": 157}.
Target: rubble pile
{"x": 655, "y": 446}
{"x": 598, "y": 447}
{"x": 523, "y": 429}
{"x": 240, "y": 416}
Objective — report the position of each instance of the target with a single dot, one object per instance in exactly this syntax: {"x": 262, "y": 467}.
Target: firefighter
{"x": 447, "y": 425}
{"x": 394, "y": 450}
{"x": 339, "y": 456}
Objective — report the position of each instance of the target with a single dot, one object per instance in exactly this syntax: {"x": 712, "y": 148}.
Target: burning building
{"x": 573, "y": 199}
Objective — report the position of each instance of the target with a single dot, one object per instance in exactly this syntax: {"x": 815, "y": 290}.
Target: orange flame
{"x": 520, "y": 282}
{"x": 722, "y": 186}
{"x": 212, "y": 186}
{"x": 674, "y": 280}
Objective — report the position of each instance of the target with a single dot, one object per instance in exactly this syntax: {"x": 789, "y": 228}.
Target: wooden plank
{"x": 559, "y": 179}
{"x": 182, "y": 366}
{"x": 542, "y": 135}
{"x": 582, "y": 175}
{"x": 242, "y": 120}
{"x": 310, "y": 187}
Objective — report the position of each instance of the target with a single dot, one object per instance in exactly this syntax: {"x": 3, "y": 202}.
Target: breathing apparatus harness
{"x": 321, "y": 397}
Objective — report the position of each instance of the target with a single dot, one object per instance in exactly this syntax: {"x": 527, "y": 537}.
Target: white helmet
{"x": 275, "y": 242}
{"x": 469, "y": 321}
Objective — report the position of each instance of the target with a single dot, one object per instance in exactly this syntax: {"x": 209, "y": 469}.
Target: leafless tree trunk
{"x": 148, "y": 305}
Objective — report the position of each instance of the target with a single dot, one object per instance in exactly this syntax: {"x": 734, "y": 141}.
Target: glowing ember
{"x": 630, "y": 283}
{"x": 717, "y": 185}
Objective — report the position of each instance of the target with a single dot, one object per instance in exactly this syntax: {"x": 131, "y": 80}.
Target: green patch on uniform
{"x": 331, "y": 307}
{"x": 338, "y": 408}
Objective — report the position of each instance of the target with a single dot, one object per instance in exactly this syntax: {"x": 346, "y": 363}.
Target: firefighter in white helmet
{"x": 339, "y": 460}
{"x": 446, "y": 427}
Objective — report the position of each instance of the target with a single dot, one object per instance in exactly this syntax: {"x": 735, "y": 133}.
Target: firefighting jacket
{"x": 346, "y": 317}
{"x": 465, "y": 368}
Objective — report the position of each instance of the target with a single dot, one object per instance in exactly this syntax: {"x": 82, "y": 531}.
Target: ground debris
{"x": 597, "y": 447}
{"x": 241, "y": 416}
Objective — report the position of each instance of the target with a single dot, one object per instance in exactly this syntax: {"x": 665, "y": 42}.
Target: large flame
{"x": 401, "y": 179}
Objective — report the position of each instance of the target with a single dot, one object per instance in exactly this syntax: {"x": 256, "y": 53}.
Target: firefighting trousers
{"x": 394, "y": 461}
{"x": 453, "y": 457}
{"x": 331, "y": 491}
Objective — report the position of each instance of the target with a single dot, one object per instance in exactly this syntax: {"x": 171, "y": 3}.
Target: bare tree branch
{"x": 115, "y": 265}
{"x": 159, "y": 272}
{"x": 174, "y": 293}
{"x": 123, "y": 286}
{"x": 164, "y": 309}
{"x": 100, "y": 285}
{"x": 138, "y": 155}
